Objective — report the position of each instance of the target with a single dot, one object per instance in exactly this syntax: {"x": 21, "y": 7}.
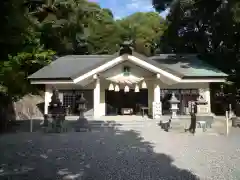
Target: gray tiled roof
{"x": 69, "y": 66}
{"x": 72, "y": 66}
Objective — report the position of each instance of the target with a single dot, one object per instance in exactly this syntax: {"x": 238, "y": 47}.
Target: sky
{"x": 123, "y": 8}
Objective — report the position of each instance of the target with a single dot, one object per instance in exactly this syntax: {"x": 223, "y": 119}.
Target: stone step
{"x": 118, "y": 125}
{"x": 99, "y": 124}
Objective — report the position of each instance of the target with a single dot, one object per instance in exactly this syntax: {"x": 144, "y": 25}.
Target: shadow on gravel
{"x": 71, "y": 125}
{"x": 102, "y": 154}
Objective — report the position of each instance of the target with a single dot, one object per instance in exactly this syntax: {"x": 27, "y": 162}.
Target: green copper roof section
{"x": 188, "y": 65}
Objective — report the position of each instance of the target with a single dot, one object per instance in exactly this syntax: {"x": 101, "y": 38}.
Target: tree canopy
{"x": 144, "y": 29}
{"x": 211, "y": 29}
{"x": 35, "y": 30}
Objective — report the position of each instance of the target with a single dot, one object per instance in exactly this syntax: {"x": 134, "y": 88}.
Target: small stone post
{"x": 31, "y": 113}
{"x": 231, "y": 113}
{"x": 227, "y": 119}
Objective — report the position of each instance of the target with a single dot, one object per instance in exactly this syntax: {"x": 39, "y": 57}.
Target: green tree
{"x": 13, "y": 25}
{"x": 211, "y": 29}
{"x": 144, "y": 29}
{"x": 23, "y": 53}
{"x": 105, "y": 34}
{"x": 64, "y": 24}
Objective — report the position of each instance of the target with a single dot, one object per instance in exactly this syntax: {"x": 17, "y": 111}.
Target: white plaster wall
{"x": 69, "y": 87}
{"x": 204, "y": 86}
{"x": 134, "y": 69}
{"x": 164, "y": 83}
{"x": 208, "y": 97}
{"x": 48, "y": 95}
{"x": 150, "y": 86}
{"x": 61, "y": 87}
{"x": 96, "y": 99}
{"x": 104, "y": 86}
{"x": 102, "y": 106}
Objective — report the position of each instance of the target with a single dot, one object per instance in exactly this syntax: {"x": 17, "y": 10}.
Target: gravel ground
{"x": 142, "y": 153}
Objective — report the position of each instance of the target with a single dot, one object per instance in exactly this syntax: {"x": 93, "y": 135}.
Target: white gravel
{"x": 141, "y": 153}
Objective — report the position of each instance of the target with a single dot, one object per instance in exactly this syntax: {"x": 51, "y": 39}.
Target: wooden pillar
{"x": 47, "y": 98}
{"x": 157, "y": 104}
{"x": 96, "y": 98}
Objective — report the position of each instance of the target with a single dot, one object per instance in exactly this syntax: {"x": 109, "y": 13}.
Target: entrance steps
{"x": 112, "y": 124}
{"x": 116, "y": 121}
{"x": 121, "y": 123}
{"x": 130, "y": 122}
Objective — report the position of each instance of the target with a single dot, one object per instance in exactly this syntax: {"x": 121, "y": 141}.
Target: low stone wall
{"x": 29, "y": 106}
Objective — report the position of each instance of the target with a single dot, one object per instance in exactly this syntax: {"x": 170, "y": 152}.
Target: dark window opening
{"x": 70, "y": 97}
{"x": 115, "y": 101}
{"x": 126, "y": 71}
{"x": 185, "y": 96}
{"x": 125, "y": 50}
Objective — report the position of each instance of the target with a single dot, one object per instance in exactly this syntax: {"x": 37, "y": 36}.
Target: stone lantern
{"x": 55, "y": 106}
{"x": 81, "y": 105}
{"x": 56, "y": 114}
{"x": 82, "y": 122}
{"x": 174, "y": 105}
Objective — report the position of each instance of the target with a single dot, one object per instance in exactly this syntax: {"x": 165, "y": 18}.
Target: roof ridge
{"x": 88, "y": 55}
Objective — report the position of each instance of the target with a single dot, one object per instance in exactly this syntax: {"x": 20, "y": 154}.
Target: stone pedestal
{"x": 203, "y": 113}
{"x": 202, "y": 104}
{"x": 198, "y": 131}
{"x": 157, "y": 104}
{"x": 202, "y": 109}
{"x": 174, "y": 112}
{"x": 157, "y": 110}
